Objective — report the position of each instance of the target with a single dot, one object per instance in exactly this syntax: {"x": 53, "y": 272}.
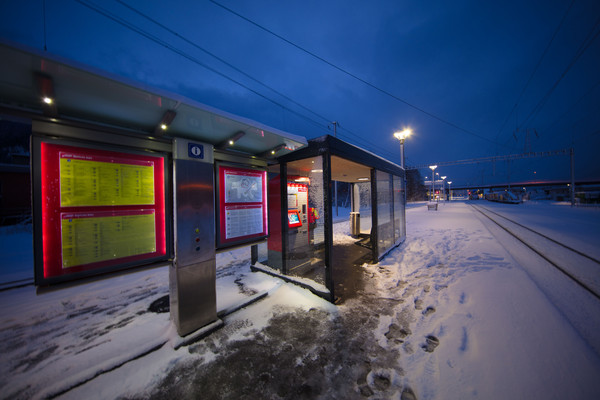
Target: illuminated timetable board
{"x": 101, "y": 181}
{"x": 242, "y": 206}
{"x": 93, "y": 237}
{"x": 102, "y": 210}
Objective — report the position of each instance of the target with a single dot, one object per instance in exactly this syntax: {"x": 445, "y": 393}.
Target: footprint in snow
{"x": 418, "y": 304}
{"x": 397, "y": 333}
{"x": 408, "y": 394}
{"x": 428, "y": 311}
{"x": 431, "y": 342}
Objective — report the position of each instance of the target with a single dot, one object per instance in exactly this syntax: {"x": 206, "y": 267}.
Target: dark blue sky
{"x": 460, "y": 65}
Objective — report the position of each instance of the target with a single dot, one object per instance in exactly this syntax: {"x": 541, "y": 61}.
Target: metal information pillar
{"x": 192, "y": 275}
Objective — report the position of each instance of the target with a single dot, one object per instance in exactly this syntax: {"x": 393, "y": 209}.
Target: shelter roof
{"x": 349, "y": 162}
{"x": 82, "y": 93}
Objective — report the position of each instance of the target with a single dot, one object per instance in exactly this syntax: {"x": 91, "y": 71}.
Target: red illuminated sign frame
{"x": 52, "y": 264}
{"x": 242, "y": 205}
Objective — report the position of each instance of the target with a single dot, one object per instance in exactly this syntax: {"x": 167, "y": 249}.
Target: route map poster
{"x": 242, "y": 204}
{"x": 101, "y": 210}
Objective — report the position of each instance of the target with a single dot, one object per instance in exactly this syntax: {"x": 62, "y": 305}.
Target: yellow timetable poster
{"x": 90, "y": 238}
{"x": 93, "y": 182}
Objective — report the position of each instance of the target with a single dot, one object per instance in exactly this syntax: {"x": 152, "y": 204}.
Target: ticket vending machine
{"x": 298, "y": 225}
{"x": 192, "y": 274}
{"x": 299, "y": 237}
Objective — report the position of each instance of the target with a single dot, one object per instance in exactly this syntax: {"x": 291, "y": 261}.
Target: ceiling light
{"x": 272, "y": 152}
{"x": 230, "y": 141}
{"x": 363, "y": 179}
{"x": 165, "y": 122}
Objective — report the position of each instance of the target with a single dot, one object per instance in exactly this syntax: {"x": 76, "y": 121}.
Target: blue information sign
{"x": 195, "y": 150}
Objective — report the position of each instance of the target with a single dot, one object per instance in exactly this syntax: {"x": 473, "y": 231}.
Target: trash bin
{"x": 354, "y": 224}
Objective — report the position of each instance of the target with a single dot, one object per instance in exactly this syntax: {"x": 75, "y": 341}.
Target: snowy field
{"x": 452, "y": 313}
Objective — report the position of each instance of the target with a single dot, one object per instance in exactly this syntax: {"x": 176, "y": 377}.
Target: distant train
{"x": 503, "y": 197}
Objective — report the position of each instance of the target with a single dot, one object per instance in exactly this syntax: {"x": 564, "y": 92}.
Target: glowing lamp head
{"x": 401, "y": 135}
{"x": 48, "y": 100}
{"x": 163, "y": 127}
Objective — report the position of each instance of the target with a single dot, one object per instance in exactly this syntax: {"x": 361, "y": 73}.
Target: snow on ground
{"x": 577, "y": 227}
{"x": 51, "y": 341}
{"x": 499, "y": 336}
{"x": 449, "y": 314}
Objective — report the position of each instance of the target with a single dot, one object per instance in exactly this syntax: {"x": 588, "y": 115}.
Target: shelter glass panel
{"x": 385, "y": 221}
{"x": 363, "y": 199}
{"x": 305, "y": 254}
{"x": 399, "y": 209}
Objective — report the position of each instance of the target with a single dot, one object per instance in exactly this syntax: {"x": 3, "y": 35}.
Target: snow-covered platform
{"x": 451, "y": 313}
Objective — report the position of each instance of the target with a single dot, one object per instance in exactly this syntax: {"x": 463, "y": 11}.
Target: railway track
{"x": 15, "y": 284}
{"x": 582, "y": 269}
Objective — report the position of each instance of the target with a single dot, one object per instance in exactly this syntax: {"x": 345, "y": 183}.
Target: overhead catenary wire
{"x": 536, "y": 67}
{"x": 354, "y": 76}
{"x": 582, "y": 49}
{"x": 197, "y": 46}
{"x": 570, "y": 109}
{"x": 172, "y": 48}
{"x": 129, "y": 25}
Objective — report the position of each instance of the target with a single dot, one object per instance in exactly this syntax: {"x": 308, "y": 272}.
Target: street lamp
{"x": 449, "y": 191}
{"x": 432, "y": 167}
{"x": 401, "y": 135}
{"x": 443, "y": 187}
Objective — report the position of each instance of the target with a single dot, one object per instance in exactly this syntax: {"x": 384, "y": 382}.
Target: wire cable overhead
{"x": 346, "y": 72}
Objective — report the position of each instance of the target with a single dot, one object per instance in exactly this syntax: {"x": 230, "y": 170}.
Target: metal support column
{"x": 329, "y": 281}
{"x": 284, "y": 218}
{"x": 374, "y": 219}
{"x": 192, "y": 276}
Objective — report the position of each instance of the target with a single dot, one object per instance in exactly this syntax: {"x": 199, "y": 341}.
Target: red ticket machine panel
{"x": 294, "y": 219}
{"x": 100, "y": 211}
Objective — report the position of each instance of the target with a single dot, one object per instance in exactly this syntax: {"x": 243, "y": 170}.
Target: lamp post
{"x": 449, "y": 191}
{"x": 432, "y": 167}
{"x": 401, "y": 135}
{"x": 443, "y": 187}
{"x": 436, "y": 197}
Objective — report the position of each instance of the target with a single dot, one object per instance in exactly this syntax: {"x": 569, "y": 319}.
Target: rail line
{"x": 15, "y": 284}
{"x": 557, "y": 254}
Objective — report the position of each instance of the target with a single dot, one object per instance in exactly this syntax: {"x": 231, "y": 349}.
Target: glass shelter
{"x": 305, "y": 245}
